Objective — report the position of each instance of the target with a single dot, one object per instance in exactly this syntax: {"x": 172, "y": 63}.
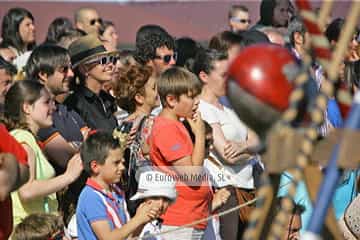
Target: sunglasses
{"x": 167, "y": 58}
{"x": 104, "y": 60}
{"x": 93, "y": 21}
{"x": 235, "y": 19}
{"x": 64, "y": 69}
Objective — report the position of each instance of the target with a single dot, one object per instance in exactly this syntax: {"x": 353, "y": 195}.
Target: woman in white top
{"x": 233, "y": 141}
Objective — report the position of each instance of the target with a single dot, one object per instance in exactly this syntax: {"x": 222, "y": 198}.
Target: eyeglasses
{"x": 235, "y": 19}
{"x": 93, "y": 21}
{"x": 167, "y": 58}
{"x": 104, "y": 60}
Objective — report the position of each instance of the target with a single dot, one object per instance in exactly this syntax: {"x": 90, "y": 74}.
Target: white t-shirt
{"x": 150, "y": 229}
{"x": 234, "y": 130}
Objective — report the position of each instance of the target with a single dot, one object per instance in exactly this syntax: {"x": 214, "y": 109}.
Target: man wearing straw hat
{"x": 93, "y": 66}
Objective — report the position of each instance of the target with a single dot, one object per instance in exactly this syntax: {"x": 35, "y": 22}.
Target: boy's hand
{"x": 197, "y": 124}
{"x": 74, "y": 167}
{"x": 147, "y": 212}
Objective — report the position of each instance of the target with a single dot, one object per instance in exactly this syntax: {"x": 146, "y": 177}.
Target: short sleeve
{"x": 94, "y": 208}
{"x": 173, "y": 142}
{"x": 8, "y": 144}
{"x": 208, "y": 113}
{"x": 46, "y": 134}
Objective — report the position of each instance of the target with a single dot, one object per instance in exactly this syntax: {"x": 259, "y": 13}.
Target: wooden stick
{"x": 324, "y": 13}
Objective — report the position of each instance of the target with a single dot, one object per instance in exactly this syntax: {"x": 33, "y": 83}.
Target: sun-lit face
{"x": 27, "y": 30}
{"x": 110, "y": 38}
{"x": 165, "y": 58}
{"x": 186, "y": 105}
{"x": 5, "y": 84}
{"x": 101, "y": 68}
{"x": 58, "y": 83}
{"x": 40, "y": 114}
{"x": 240, "y": 21}
{"x": 151, "y": 96}
{"x": 90, "y": 22}
{"x": 281, "y": 13}
{"x": 113, "y": 168}
{"x": 216, "y": 82}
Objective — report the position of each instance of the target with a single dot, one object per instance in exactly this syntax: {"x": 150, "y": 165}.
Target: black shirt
{"x": 66, "y": 122}
{"x": 96, "y": 111}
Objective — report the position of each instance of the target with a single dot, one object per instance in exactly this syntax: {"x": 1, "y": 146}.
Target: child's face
{"x": 186, "y": 105}
{"x": 113, "y": 168}
{"x": 40, "y": 113}
{"x": 162, "y": 202}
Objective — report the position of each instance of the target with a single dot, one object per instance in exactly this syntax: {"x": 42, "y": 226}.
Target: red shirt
{"x": 8, "y": 144}
{"x": 170, "y": 141}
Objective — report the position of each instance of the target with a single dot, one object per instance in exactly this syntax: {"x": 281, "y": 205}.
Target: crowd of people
{"x": 99, "y": 142}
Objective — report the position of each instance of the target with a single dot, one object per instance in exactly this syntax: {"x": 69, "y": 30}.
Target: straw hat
{"x": 86, "y": 48}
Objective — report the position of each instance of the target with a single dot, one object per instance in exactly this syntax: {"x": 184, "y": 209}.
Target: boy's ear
{"x": 203, "y": 76}
{"x": 43, "y": 77}
{"x": 94, "y": 166}
{"x": 139, "y": 98}
{"x": 171, "y": 100}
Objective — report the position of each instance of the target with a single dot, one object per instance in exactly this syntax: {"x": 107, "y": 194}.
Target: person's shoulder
{"x": 22, "y": 134}
{"x": 87, "y": 195}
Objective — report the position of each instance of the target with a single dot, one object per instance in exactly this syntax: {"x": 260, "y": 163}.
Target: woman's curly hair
{"x": 131, "y": 81}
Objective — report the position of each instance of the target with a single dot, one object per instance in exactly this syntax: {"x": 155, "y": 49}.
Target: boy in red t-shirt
{"x": 171, "y": 145}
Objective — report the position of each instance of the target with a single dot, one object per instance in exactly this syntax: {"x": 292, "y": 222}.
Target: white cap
{"x": 155, "y": 184}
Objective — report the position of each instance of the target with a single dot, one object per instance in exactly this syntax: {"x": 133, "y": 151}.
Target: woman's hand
{"x": 74, "y": 167}
{"x": 220, "y": 197}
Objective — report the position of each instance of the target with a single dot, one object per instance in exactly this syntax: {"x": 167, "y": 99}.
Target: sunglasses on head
{"x": 93, "y": 21}
{"x": 239, "y": 20}
{"x": 104, "y": 60}
{"x": 167, "y": 58}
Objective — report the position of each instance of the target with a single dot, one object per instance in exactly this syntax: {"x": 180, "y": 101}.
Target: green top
{"x": 44, "y": 170}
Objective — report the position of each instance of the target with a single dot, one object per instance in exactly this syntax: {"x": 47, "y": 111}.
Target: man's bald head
{"x": 87, "y": 20}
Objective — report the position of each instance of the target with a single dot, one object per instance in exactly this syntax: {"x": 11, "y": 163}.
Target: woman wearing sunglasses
{"x": 93, "y": 67}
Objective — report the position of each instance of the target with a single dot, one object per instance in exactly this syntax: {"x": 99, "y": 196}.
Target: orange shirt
{"x": 170, "y": 141}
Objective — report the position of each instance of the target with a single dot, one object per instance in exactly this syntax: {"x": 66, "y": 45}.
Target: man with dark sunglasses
{"x": 88, "y": 20}
{"x": 155, "y": 47}
{"x": 239, "y": 18}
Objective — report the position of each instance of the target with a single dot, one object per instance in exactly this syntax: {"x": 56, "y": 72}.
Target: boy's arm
{"x": 145, "y": 213}
{"x": 102, "y": 229}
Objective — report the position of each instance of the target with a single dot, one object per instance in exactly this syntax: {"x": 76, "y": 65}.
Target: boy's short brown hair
{"x": 177, "y": 81}
{"x": 38, "y": 226}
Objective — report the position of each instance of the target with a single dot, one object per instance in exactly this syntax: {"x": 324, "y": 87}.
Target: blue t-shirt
{"x": 345, "y": 192}
{"x": 91, "y": 208}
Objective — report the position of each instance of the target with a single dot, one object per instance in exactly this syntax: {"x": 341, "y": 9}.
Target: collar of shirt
{"x": 94, "y": 185}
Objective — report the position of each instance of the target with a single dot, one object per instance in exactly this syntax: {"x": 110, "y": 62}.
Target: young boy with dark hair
{"x": 101, "y": 211}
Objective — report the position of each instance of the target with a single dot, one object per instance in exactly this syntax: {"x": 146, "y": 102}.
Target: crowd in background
{"x": 86, "y": 127}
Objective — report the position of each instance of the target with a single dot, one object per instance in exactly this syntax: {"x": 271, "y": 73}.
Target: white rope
{"x": 198, "y": 221}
